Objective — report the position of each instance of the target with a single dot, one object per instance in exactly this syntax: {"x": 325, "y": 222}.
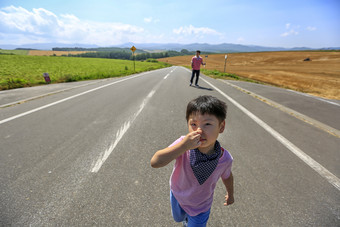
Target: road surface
{"x": 78, "y": 154}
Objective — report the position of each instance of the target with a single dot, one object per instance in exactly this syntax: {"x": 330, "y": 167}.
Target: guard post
{"x": 47, "y": 78}
{"x": 225, "y": 61}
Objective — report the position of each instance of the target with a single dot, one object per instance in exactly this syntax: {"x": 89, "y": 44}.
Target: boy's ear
{"x": 222, "y": 126}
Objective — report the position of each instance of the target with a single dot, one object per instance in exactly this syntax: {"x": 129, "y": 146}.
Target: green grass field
{"x": 18, "y": 52}
{"x": 23, "y": 71}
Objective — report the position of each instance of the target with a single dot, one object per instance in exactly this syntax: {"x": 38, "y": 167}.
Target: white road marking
{"x": 300, "y": 116}
{"x": 170, "y": 73}
{"x": 46, "y": 94}
{"x": 331, "y": 178}
{"x": 66, "y": 99}
{"x": 119, "y": 135}
{"x": 318, "y": 98}
{"x": 167, "y": 75}
{"x": 123, "y": 129}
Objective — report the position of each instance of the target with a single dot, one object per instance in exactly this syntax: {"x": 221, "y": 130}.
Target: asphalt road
{"x": 79, "y": 154}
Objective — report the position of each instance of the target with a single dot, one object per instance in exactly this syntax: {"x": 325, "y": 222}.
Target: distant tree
{"x": 185, "y": 52}
{"x": 126, "y": 55}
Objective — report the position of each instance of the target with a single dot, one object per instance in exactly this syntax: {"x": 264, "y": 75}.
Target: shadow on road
{"x": 203, "y": 88}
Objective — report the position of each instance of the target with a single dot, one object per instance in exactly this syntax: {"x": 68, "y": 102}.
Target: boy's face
{"x": 209, "y": 127}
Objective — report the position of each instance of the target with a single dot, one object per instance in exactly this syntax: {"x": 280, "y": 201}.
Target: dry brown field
{"x": 51, "y": 52}
{"x": 320, "y": 76}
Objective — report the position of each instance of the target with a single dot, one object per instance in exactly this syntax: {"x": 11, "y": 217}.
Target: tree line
{"x": 120, "y": 55}
{"x": 113, "y": 53}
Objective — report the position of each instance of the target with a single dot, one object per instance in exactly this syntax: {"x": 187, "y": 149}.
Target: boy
{"x": 200, "y": 162}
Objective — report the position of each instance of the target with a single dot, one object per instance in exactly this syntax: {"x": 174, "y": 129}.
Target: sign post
{"x": 225, "y": 61}
{"x": 133, "y": 49}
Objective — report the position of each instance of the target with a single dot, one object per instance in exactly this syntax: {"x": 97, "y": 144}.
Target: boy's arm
{"x": 165, "y": 156}
{"x": 229, "y": 185}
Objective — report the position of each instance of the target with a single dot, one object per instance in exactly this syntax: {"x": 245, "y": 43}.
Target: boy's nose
{"x": 199, "y": 130}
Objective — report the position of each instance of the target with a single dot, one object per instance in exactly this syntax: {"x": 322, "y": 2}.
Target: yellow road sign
{"x": 133, "y": 48}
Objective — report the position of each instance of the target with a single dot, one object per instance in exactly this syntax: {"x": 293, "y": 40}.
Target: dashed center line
{"x": 119, "y": 135}
{"x": 123, "y": 129}
{"x": 65, "y": 99}
{"x": 166, "y": 76}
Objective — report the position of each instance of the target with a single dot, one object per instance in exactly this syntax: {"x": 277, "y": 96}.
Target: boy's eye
{"x": 193, "y": 125}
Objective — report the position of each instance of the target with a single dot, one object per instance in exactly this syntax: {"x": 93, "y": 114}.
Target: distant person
{"x": 196, "y": 63}
{"x": 200, "y": 162}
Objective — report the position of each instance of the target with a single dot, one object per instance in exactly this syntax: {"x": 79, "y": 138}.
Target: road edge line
{"x": 322, "y": 171}
{"x": 44, "y": 95}
{"x": 300, "y": 116}
{"x": 66, "y": 99}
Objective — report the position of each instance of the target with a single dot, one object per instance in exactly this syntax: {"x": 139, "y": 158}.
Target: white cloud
{"x": 191, "y": 30}
{"x": 310, "y": 28}
{"x": 21, "y": 20}
{"x": 40, "y": 25}
{"x": 148, "y": 20}
{"x": 191, "y": 34}
{"x": 291, "y": 30}
{"x": 240, "y": 40}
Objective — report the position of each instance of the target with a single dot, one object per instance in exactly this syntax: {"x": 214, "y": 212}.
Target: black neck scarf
{"x": 203, "y": 165}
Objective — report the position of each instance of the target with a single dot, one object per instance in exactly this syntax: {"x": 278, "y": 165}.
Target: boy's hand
{"x": 228, "y": 200}
{"x": 192, "y": 140}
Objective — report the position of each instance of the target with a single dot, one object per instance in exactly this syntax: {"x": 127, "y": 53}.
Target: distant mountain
{"x": 330, "y": 48}
{"x": 45, "y": 46}
{"x": 204, "y": 47}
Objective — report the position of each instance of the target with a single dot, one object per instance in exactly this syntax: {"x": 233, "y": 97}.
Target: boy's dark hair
{"x": 207, "y": 104}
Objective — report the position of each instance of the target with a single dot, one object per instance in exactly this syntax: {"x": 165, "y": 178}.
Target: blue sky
{"x": 289, "y": 23}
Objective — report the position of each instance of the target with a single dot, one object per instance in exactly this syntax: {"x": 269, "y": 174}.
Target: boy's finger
{"x": 194, "y": 133}
{"x": 197, "y": 132}
{"x": 195, "y": 136}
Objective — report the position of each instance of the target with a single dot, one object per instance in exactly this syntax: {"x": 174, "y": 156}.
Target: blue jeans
{"x": 197, "y": 73}
{"x": 180, "y": 215}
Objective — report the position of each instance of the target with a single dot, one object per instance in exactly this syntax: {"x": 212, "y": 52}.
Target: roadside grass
{"x": 18, "y": 71}
{"x": 225, "y": 76}
{"x": 221, "y": 75}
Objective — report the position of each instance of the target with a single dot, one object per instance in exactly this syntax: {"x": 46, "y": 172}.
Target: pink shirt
{"x": 193, "y": 197}
{"x": 196, "y": 62}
